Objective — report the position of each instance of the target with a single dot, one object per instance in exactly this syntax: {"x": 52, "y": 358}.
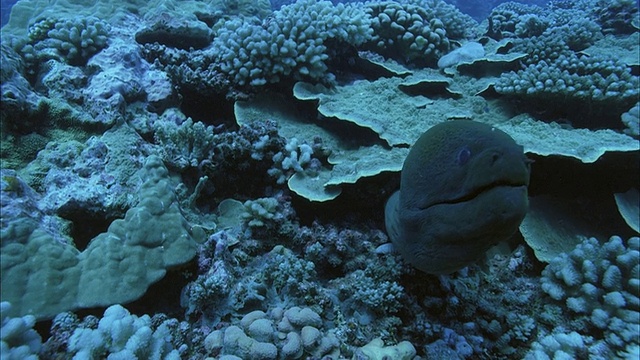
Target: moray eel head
{"x": 463, "y": 189}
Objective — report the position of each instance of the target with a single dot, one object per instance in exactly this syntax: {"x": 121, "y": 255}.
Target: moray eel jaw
{"x": 447, "y": 214}
{"x": 446, "y": 237}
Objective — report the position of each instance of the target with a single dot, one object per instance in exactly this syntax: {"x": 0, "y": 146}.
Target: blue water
{"x": 5, "y": 9}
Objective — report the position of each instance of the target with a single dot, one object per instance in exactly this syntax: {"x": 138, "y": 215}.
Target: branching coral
{"x": 296, "y": 43}
{"x": 18, "y": 339}
{"x": 186, "y": 145}
{"x": 600, "y": 285}
{"x": 121, "y": 335}
{"x": 69, "y": 40}
{"x": 604, "y": 87}
{"x": 407, "y": 32}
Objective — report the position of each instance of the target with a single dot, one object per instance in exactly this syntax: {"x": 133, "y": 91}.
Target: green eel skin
{"x": 463, "y": 189}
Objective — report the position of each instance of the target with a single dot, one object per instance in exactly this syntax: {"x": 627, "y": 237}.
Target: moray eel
{"x": 463, "y": 189}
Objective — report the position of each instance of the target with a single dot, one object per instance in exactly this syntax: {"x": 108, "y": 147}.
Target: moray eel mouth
{"x": 470, "y": 196}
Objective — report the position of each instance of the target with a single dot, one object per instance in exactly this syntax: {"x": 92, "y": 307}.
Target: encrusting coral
{"x": 88, "y": 278}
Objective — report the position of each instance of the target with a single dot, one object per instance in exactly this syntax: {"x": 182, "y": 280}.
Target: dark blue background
{"x": 5, "y": 8}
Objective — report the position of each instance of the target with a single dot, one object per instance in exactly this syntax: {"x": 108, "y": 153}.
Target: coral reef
{"x": 72, "y": 40}
{"x": 407, "y": 32}
{"x": 146, "y": 253}
{"x": 296, "y": 42}
{"x": 512, "y": 19}
{"x": 600, "y": 285}
{"x": 18, "y": 340}
{"x": 617, "y": 16}
{"x": 281, "y": 334}
{"x": 579, "y": 79}
{"x": 206, "y": 179}
{"x": 631, "y": 119}
{"x": 121, "y": 335}
{"x": 556, "y": 67}
{"x": 84, "y": 177}
{"x": 16, "y": 90}
{"x": 184, "y": 145}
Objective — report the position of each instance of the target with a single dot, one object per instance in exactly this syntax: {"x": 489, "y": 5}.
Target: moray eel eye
{"x": 448, "y": 213}
{"x": 463, "y": 156}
